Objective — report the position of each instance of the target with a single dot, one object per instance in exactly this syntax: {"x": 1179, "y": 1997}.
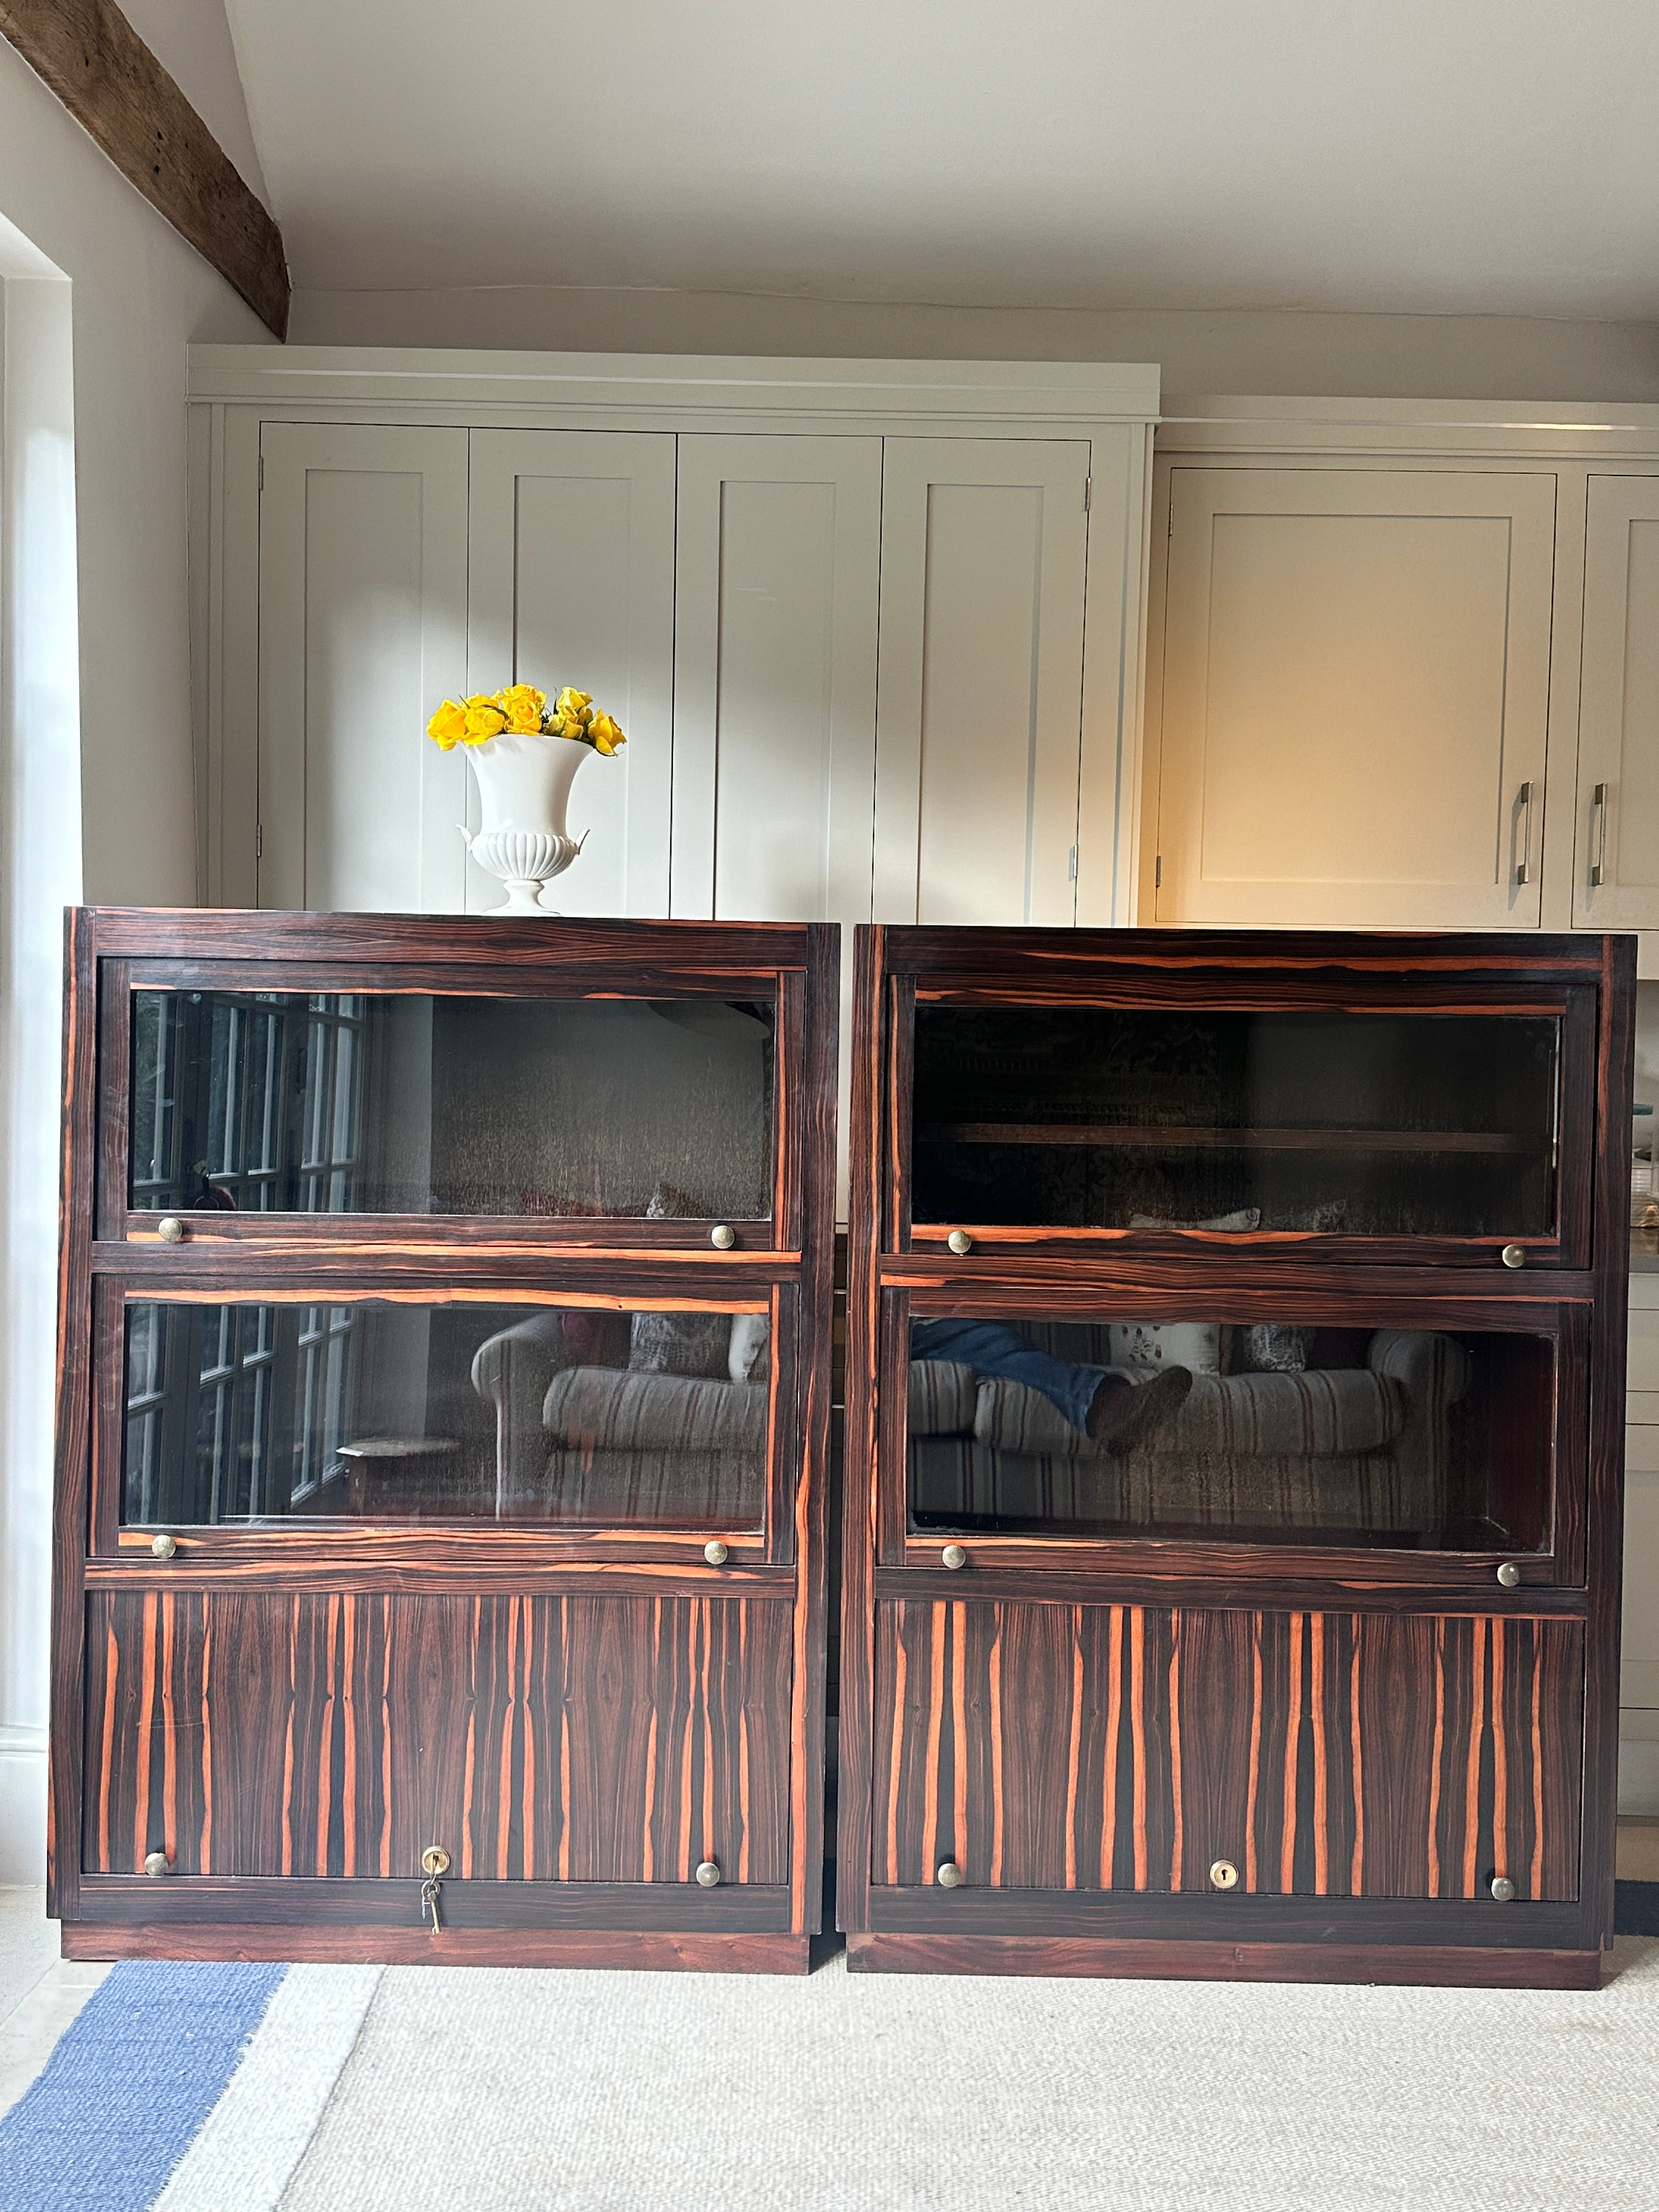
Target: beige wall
{"x": 98, "y": 300}
{"x": 139, "y": 296}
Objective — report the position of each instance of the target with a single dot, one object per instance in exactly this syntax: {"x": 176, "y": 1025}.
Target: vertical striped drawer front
{"x": 539, "y": 1738}
{"x": 1094, "y": 1748}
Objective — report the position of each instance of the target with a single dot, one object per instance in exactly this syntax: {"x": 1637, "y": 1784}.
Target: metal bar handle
{"x": 1599, "y": 837}
{"x": 1523, "y": 866}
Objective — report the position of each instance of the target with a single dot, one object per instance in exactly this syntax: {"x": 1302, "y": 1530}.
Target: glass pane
{"x": 1277, "y": 1432}
{"x": 356, "y": 1103}
{"x": 1355, "y": 1124}
{"x": 248, "y": 1413}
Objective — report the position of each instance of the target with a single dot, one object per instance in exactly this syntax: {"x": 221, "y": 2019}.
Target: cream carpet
{"x": 847, "y": 2093}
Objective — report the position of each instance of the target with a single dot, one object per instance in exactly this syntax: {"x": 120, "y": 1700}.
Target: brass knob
{"x": 960, "y": 1242}
{"x": 1509, "y": 1574}
{"x": 155, "y": 1865}
{"x": 708, "y": 1875}
{"x": 1513, "y": 1256}
{"x": 721, "y": 1237}
{"x": 954, "y": 1556}
{"x": 949, "y": 1875}
{"x": 1503, "y": 1888}
{"x": 1224, "y": 1875}
{"x": 434, "y": 1861}
{"x": 170, "y": 1229}
{"x": 164, "y": 1546}
{"x": 716, "y": 1553}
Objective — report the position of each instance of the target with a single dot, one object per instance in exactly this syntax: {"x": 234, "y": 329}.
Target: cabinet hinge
{"x": 1157, "y": 873}
{"x": 258, "y": 840}
{"x": 1088, "y": 492}
{"x": 262, "y": 471}
{"x": 1071, "y": 866}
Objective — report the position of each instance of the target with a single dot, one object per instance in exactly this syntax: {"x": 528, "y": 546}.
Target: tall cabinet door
{"x": 363, "y": 623}
{"x": 1338, "y": 645}
{"x": 1616, "y": 873}
{"x": 980, "y": 719}
{"x": 572, "y": 582}
{"x": 779, "y": 558}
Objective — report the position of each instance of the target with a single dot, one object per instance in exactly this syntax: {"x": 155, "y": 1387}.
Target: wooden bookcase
{"x": 413, "y": 1493}
{"x": 1317, "y": 1677}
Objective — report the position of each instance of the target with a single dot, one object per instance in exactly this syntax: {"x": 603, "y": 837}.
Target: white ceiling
{"x": 1453, "y": 155}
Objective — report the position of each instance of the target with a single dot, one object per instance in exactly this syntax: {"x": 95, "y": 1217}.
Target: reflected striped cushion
{"x": 620, "y": 1489}
{"x": 1329, "y": 1413}
{"x": 620, "y": 1409}
{"x": 942, "y": 1398}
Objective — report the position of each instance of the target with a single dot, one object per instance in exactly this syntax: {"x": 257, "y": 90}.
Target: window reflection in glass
{"x": 1333, "y": 1123}
{"x": 1280, "y": 1432}
{"x": 249, "y": 1412}
{"x": 357, "y": 1102}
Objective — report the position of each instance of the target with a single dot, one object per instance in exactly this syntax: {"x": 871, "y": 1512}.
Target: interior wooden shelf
{"x": 1166, "y": 1137}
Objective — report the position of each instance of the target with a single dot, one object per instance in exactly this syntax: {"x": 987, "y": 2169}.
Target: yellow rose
{"x": 574, "y": 710}
{"x": 449, "y": 726}
{"x": 484, "y": 721}
{"x": 605, "y": 736}
{"x": 522, "y": 704}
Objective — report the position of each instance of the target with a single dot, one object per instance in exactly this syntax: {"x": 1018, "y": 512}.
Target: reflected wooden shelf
{"x": 1166, "y": 1137}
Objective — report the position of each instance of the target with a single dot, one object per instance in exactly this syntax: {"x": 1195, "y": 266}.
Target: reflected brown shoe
{"x": 1123, "y": 1415}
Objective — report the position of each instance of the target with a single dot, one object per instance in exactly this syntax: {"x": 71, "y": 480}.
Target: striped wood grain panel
{"x": 1092, "y": 1747}
{"x": 537, "y": 1738}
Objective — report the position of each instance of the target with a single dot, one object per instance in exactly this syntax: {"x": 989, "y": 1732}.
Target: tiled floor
{"x": 39, "y": 1992}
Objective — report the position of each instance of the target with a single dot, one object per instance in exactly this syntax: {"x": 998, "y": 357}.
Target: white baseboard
{"x": 1638, "y": 1763}
{"x": 22, "y": 1804}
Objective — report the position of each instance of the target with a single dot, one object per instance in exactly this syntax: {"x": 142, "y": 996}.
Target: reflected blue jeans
{"x": 991, "y": 1348}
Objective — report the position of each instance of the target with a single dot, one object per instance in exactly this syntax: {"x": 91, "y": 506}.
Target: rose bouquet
{"x": 520, "y": 710}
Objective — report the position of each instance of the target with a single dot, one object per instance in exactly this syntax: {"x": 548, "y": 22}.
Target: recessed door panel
{"x": 1332, "y": 1754}
{"x": 1616, "y": 875}
{"x": 536, "y": 1739}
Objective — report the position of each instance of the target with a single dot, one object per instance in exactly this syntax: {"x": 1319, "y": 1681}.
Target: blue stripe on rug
{"x": 130, "y": 2083}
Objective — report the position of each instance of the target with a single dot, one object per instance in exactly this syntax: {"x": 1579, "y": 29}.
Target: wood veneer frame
{"x": 1591, "y": 980}
{"x": 801, "y": 964}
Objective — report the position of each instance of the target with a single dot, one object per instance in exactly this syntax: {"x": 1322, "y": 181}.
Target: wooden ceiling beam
{"x": 91, "y": 57}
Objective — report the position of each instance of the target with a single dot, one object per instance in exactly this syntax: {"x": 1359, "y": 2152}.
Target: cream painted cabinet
{"x": 1616, "y": 861}
{"x": 978, "y": 720}
{"x": 1638, "y": 1670}
{"x": 1355, "y": 697}
{"x": 362, "y": 550}
{"x": 780, "y": 544}
{"x": 571, "y": 560}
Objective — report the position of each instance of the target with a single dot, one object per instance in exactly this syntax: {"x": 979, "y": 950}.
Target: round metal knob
{"x": 1509, "y": 1574}
{"x": 1224, "y": 1875}
{"x": 716, "y": 1553}
{"x": 954, "y": 1556}
{"x": 1513, "y": 1256}
{"x": 1503, "y": 1888}
{"x": 170, "y": 1229}
{"x": 708, "y": 1875}
{"x": 155, "y": 1865}
{"x": 434, "y": 1861}
{"x": 960, "y": 1242}
{"x": 949, "y": 1875}
{"x": 721, "y": 1237}
{"x": 164, "y": 1546}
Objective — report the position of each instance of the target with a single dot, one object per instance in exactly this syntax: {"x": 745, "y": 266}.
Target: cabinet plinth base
{"x": 1455, "y": 1966}
{"x": 650, "y": 1948}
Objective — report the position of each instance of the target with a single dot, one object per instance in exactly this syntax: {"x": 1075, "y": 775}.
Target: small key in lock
{"x": 434, "y": 1864}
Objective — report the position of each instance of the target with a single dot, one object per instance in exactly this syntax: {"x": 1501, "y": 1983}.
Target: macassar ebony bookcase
{"x": 1312, "y": 1675}
{"x": 443, "y": 1408}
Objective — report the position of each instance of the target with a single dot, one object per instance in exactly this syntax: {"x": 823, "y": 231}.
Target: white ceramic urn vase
{"x": 524, "y": 783}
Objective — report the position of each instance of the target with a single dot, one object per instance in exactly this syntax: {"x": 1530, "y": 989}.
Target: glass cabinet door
{"x": 329, "y": 1102}
{"x": 1332, "y": 1123}
{"x": 1281, "y": 1432}
{"x": 253, "y": 1414}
